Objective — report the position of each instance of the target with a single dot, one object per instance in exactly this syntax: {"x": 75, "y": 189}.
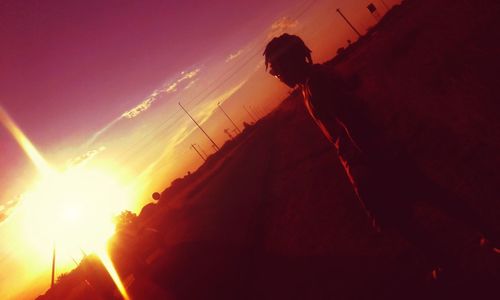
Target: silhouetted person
{"x": 387, "y": 183}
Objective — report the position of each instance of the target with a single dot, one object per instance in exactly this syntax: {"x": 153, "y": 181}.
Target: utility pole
{"x": 53, "y": 265}
{"x": 349, "y": 23}
{"x": 194, "y": 148}
{"x": 201, "y": 149}
{"x": 213, "y": 143}
{"x": 218, "y": 104}
{"x": 248, "y": 112}
{"x": 255, "y": 112}
{"x": 74, "y": 260}
{"x": 226, "y": 131}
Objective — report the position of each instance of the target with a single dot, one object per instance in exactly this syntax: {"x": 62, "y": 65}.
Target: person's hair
{"x": 286, "y": 45}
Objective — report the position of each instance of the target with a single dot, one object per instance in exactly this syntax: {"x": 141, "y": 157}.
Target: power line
{"x": 223, "y": 78}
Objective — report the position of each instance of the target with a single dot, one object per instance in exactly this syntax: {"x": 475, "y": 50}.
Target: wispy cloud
{"x": 102, "y": 130}
{"x": 259, "y": 65}
{"x": 143, "y": 106}
{"x": 234, "y": 55}
{"x": 171, "y": 88}
{"x": 189, "y": 75}
{"x": 168, "y": 88}
{"x": 185, "y": 131}
{"x": 206, "y": 111}
{"x": 190, "y": 84}
{"x": 86, "y": 157}
{"x": 281, "y": 26}
{"x": 181, "y": 134}
{"x": 7, "y": 208}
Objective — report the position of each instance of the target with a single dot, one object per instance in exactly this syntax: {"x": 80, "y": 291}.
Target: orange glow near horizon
{"x": 74, "y": 208}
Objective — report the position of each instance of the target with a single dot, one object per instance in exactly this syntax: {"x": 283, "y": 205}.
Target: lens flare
{"x": 24, "y": 142}
{"x": 108, "y": 264}
{"x": 74, "y": 208}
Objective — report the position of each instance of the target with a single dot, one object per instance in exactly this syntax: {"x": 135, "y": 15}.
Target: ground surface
{"x": 273, "y": 216}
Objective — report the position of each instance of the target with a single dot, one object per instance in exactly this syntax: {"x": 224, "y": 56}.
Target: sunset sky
{"x": 97, "y": 84}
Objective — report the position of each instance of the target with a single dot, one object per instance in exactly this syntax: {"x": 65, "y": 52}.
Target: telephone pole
{"x": 201, "y": 149}
{"x": 226, "y": 131}
{"x": 213, "y": 143}
{"x": 218, "y": 104}
{"x": 194, "y": 148}
{"x": 248, "y": 112}
{"x": 53, "y": 265}
{"x": 255, "y": 112}
{"x": 349, "y": 23}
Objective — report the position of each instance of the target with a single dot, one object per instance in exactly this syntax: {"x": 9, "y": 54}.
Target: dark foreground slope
{"x": 272, "y": 215}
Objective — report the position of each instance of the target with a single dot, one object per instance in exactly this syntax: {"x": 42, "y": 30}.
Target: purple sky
{"x": 65, "y": 60}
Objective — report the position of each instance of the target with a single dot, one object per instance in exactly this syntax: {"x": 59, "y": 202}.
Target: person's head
{"x": 287, "y": 58}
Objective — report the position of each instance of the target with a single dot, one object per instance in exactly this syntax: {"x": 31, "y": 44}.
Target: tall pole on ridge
{"x": 201, "y": 149}
{"x": 213, "y": 143}
{"x": 248, "y": 112}
{"x": 218, "y": 104}
{"x": 194, "y": 148}
{"x": 349, "y": 23}
{"x": 53, "y": 265}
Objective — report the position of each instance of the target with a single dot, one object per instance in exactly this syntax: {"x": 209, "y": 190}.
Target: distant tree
{"x": 62, "y": 278}
{"x": 125, "y": 220}
{"x": 340, "y": 50}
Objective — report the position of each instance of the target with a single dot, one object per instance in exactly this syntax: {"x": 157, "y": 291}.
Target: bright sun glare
{"x": 72, "y": 210}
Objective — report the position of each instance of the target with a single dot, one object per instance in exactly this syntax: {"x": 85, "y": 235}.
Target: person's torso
{"x": 332, "y": 102}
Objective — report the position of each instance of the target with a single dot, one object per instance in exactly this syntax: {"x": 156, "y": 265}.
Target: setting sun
{"x": 74, "y": 209}
{"x": 69, "y": 212}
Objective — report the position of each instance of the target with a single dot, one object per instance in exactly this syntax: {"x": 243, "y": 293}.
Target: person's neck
{"x": 307, "y": 71}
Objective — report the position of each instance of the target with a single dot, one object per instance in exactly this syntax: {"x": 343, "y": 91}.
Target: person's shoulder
{"x": 323, "y": 76}
{"x": 328, "y": 77}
